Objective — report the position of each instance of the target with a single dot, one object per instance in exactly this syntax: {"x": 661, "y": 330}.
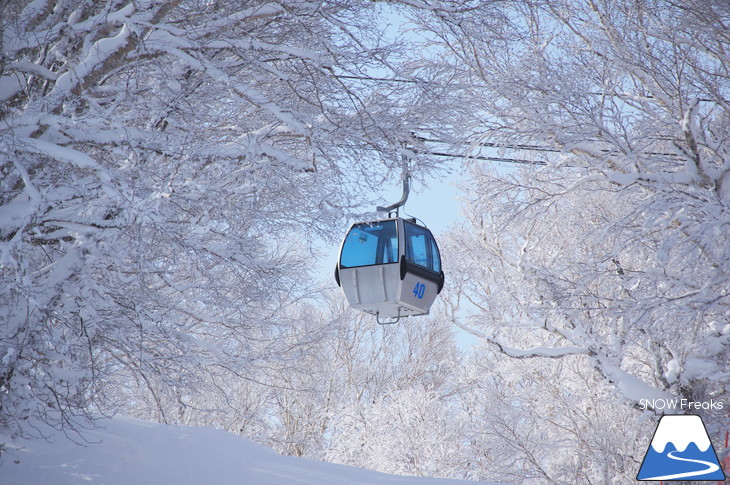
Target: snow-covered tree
{"x": 622, "y": 234}
{"x": 558, "y": 422}
{"x": 398, "y": 398}
{"x": 164, "y": 164}
{"x": 606, "y": 241}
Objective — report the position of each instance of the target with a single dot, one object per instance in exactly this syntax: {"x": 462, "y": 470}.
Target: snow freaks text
{"x": 681, "y": 404}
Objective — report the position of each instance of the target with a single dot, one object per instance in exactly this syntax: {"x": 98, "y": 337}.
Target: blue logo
{"x": 680, "y": 450}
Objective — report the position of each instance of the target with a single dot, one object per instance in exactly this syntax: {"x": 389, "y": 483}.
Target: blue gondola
{"x": 390, "y": 268}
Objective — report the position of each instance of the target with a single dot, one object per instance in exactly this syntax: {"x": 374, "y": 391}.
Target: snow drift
{"x": 128, "y": 451}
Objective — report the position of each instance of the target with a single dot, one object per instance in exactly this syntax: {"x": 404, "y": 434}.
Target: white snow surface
{"x": 680, "y": 430}
{"x": 129, "y": 451}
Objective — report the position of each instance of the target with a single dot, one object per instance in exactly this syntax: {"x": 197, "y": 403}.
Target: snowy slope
{"x": 138, "y": 452}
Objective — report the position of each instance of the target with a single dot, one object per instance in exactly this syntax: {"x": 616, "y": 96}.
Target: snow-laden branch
{"x": 247, "y": 91}
{"x": 681, "y": 178}
{"x": 259, "y": 12}
{"x": 100, "y": 52}
{"x": 546, "y": 352}
{"x": 534, "y": 352}
{"x": 630, "y": 386}
{"x": 27, "y": 67}
{"x": 64, "y": 154}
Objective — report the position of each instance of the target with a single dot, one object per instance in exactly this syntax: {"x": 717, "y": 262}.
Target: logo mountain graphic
{"x": 680, "y": 450}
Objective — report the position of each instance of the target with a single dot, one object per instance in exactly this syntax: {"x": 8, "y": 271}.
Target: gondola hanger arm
{"x": 402, "y": 201}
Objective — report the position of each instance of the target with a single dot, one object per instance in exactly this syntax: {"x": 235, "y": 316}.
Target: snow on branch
{"x": 630, "y": 386}
{"x": 249, "y": 14}
{"x": 101, "y": 51}
{"x": 250, "y": 93}
{"x": 64, "y": 154}
{"x": 546, "y": 352}
{"x": 32, "y": 68}
{"x": 253, "y": 44}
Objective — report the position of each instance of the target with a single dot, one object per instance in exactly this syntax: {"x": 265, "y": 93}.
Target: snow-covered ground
{"x": 133, "y": 452}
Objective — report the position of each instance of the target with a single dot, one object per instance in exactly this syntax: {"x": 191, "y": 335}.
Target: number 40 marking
{"x": 419, "y": 289}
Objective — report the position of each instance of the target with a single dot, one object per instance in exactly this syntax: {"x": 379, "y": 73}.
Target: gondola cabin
{"x": 390, "y": 268}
